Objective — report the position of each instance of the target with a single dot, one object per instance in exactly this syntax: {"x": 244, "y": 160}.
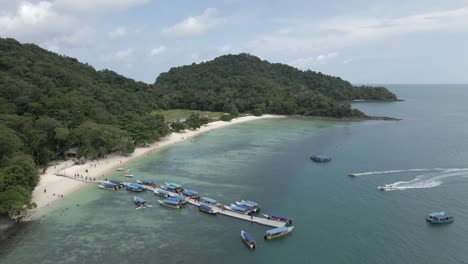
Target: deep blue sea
{"x": 337, "y": 218}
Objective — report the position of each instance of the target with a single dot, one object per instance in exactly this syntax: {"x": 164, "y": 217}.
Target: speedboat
{"x": 248, "y": 239}
{"x": 352, "y": 174}
{"x": 278, "y": 232}
{"x": 387, "y": 187}
{"x": 439, "y": 218}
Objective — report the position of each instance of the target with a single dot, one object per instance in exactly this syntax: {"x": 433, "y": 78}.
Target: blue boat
{"x": 238, "y": 209}
{"x": 161, "y": 193}
{"x": 119, "y": 183}
{"x": 320, "y": 158}
{"x": 146, "y": 182}
{"x": 280, "y": 218}
{"x": 207, "y": 209}
{"x": 190, "y": 194}
{"x": 108, "y": 186}
{"x": 252, "y": 206}
{"x": 170, "y": 203}
{"x": 135, "y": 187}
{"x": 440, "y": 218}
{"x": 278, "y": 232}
{"x": 248, "y": 239}
{"x": 173, "y": 187}
{"x": 178, "y": 198}
{"x": 208, "y": 200}
{"x": 139, "y": 201}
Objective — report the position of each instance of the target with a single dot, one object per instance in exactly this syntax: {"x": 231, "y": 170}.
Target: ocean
{"x": 337, "y": 218}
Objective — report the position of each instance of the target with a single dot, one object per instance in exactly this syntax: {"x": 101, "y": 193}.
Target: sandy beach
{"x": 53, "y": 188}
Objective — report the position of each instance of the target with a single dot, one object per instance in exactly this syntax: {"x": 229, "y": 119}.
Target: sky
{"x": 363, "y": 41}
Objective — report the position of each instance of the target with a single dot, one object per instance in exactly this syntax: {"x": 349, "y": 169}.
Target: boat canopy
{"x": 189, "y": 192}
{"x": 208, "y": 200}
{"x": 279, "y": 216}
{"x": 205, "y": 207}
{"x": 277, "y": 230}
{"x": 147, "y": 182}
{"x": 109, "y": 184}
{"x": 250, "y": 203}
{"x": 162, "y": 191}
{"x": 439, "y": 215}
{"x": 177, "y": 197}
{"x": 170, "y": 201}
{"x": 173, "y": 184}
{"x": 136, "y": 185}
{"x": 238, "y": 208}
{"x": 116, "y": 182}
{"x": 248, "y": 237}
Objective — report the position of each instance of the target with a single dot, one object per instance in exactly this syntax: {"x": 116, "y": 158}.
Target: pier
{"x": 221, "y": 209}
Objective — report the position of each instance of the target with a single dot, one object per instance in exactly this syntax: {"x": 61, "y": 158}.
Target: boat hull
{"x": 212, "y": 212}
{"x": 436, "y": 222}
{"x": 169, "y": 205}
{"x": 270, "y": 237}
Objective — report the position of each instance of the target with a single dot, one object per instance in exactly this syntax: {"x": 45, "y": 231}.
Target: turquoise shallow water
{"x": 338, "y": 219}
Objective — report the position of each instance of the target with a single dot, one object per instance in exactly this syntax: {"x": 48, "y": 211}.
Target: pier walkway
{"x": 221, "y": 209}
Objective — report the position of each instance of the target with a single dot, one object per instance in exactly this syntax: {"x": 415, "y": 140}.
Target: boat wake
{"x": 409, "y": 170}
{"x": 425, "y": 181}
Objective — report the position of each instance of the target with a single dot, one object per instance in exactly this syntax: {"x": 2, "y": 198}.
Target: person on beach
{"x": 45, "y": 190}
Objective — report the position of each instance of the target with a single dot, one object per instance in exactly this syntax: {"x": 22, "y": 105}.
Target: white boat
{"x": 387, "y": 187}
{"x": 120, "y": 169}
{"x": 128, "y": 175}
{"x": 353, "y": 174}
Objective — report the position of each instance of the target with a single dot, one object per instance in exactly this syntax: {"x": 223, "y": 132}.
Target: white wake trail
{"x": 425, "y": 181}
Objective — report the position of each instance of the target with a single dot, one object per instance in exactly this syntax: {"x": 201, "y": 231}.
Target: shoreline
{"x": 52, "y": 187}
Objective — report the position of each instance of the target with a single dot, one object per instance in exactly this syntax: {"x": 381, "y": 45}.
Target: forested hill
{"x": 50, "y": 103}
{"x": 249, "y": 83}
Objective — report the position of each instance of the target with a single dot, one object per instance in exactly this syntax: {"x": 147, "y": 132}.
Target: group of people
{"x": 86, "y": 178}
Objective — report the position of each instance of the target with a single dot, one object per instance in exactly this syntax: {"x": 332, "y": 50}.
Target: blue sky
{"x": 387, "y": 41}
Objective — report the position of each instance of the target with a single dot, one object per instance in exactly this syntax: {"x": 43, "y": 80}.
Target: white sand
{"x": 56, "y": 186}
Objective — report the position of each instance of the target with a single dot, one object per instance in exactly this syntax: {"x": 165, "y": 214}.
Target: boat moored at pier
{"x": 135, "y": 187}
{"x": 170, "y": 203}
{"x": 207, "y": 209}
{"x": 161, "y": 193}
{"x": 278, "y": 232}
{"x": 190, "y": 194}
{"x": 108, "y": 186}
{"x": 280, "y": 218}
{"x": 207, "y": 200}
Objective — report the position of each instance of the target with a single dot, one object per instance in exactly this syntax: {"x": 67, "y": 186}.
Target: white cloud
{"x": 57, "y": 23}
{"x": 96, "y": 6}
{"x": 347, "y": 61}
{"x": 195, "y": 25}
{"x": 157, "y": 51}
{"x": 342, "y": 31}
{"x": 118, "y": 33}
{"x": 309, "y": 62}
